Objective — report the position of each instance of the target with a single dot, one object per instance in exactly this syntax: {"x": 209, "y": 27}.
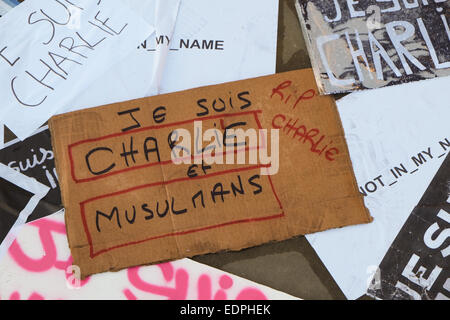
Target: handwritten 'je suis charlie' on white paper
{"x": 51, "y": 50}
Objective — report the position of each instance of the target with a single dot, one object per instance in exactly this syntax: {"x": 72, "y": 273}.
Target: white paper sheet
{"x": 248, "y": 30}
{"x": 384, "y": 129}
{"x": 39, "y": 74}
{"x": 4, "y": 8}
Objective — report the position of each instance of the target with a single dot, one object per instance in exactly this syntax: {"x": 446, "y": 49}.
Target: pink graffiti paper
{"x": 39, "y": 266}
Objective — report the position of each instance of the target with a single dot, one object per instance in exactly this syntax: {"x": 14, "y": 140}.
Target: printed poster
{"x": 365, "y": 44}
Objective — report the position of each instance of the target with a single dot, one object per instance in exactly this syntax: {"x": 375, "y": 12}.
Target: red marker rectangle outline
{"x": 89, "y": 237}
{"x": 155, "y": 127}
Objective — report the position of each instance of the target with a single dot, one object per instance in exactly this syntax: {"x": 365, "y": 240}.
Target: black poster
{"x": 34, "y": 158}
{"x": 13, "y": 200}
{"x": 416, "y": 265}
{"x": 364, "y": 44}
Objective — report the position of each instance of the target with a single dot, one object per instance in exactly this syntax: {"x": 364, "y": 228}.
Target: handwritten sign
{"x": 51, "y": 50}
{"x": 2, "y": 135}
{"x": 34, "y": 158}
{"x": 363, "y": 44}
{"x": 165, "y": 177}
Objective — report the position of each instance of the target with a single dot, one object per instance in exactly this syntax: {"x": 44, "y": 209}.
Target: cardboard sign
{"x": 416, "y": 265}
{"x": 34, "y": 158}
{"x": 129, "y": 201}
{"x": 56, "y": 49}
{"x": 369, "y": 44}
